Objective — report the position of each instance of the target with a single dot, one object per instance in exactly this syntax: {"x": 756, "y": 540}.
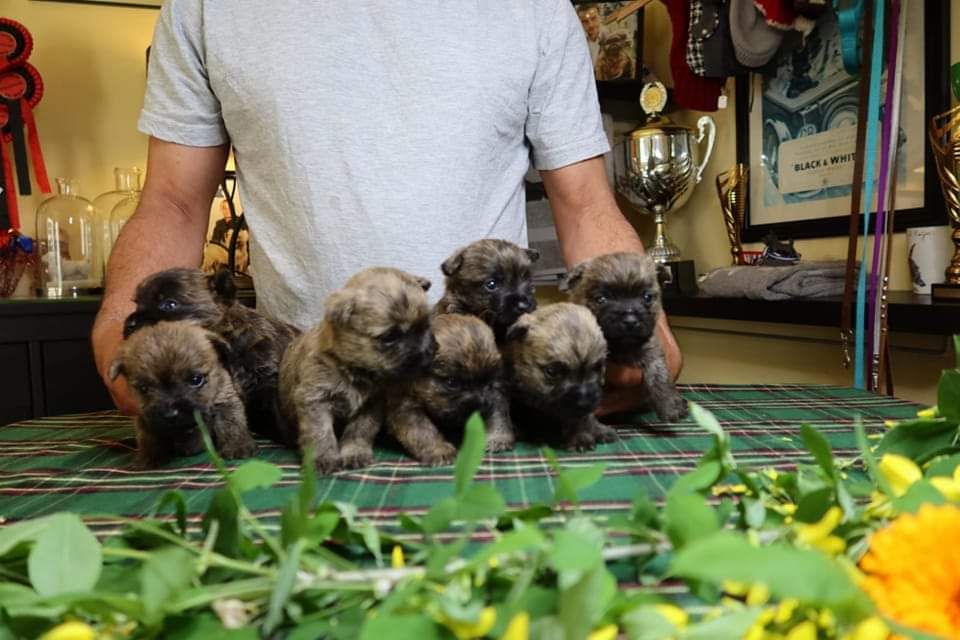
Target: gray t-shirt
{"x": 373, "y": 133}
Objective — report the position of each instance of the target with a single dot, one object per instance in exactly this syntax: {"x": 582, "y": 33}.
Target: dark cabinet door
{"x": 16, "y": 401}
{"x": 70, "y": 379}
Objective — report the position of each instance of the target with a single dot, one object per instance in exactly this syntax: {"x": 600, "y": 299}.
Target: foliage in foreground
{"x": 759, "y": 554}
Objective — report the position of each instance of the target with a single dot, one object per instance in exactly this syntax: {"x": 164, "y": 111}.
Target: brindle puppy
{"x": 375, "y": 331}
{"x": 174, "y": 369}
{"x": 555, "y": 359}
{"x": 256, "y": 342}
{"x": 490, "y": 279}
{"x": 429, "y": 412}
{"x": 622, "y": 291}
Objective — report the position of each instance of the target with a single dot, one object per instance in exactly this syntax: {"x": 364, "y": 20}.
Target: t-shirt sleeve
{"x": 564, "y": 125}
{"x": 179, "y": 105}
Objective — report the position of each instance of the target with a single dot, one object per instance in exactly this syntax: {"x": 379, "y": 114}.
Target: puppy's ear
{"x": 572, "y": 277}
{"x": 452, "y": 264}
{"x": 222, "y": 285}
{"x": 338, "y": 308}
{"x": 115, "y": 370}
{"x": 533, "y": 254}
{"x": 517, "y": 331}
{"x": 423, "y": 282}
{"x": 222, "y": 347}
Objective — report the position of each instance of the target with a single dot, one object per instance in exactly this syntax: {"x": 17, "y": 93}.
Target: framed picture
{"x": 616, "y": 47}
{"x": 227, "y": 232}
{"x": 797, "y": 132}
{"x": 124, "y": 3}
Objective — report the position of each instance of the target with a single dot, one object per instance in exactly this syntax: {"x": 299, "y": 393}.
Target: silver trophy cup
{"x": 657, "y": 166}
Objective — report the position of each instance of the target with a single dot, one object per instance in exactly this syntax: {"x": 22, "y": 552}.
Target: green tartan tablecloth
{"x": 81, "y": 463}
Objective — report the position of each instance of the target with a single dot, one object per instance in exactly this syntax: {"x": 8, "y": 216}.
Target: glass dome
{"x": 126, "y": 184}
{"x": 65, "y": 242}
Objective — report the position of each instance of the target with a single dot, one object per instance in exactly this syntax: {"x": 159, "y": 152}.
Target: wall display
{"x": 227, "y": 229}
{"x": 796, "y": 131}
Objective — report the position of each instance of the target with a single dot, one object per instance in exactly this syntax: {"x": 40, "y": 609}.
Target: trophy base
{"x": 945, "y": 293}
{"x": 678, "y": 278}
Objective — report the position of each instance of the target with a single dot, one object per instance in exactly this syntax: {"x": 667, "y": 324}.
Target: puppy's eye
{"x": 391, "y": 336}
{"x": 169, "y": 305}
{"x": 451, "y": 382}
{"x": 598, "y": 368}
{"x": 647, "y": 297}
{"x": 552, "y": 370}
{"x": 197, "y": 380}
{"x": 141, "y": 387}
{"x": 491, "y": 284}
{"x": 600, "y": 299}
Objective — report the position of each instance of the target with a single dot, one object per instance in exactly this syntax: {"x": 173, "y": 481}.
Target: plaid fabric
{"x": 81, "y": 463}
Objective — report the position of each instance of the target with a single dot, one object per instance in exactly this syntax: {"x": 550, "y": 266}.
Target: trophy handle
{"x": 706, "y": 126}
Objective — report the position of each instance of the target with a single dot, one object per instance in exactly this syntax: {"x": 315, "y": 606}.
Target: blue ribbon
{"x": 849, "y": 18}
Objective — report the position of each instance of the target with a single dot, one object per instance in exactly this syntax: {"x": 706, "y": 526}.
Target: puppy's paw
{"x": 327, "y": 464}
{"x": 246, "y": 448}
{"x": 143, "y": 462}
{"x": 605, "y": 433}
{"x": 582, "y": 440}
{"x": 500, "y": 442}
{"x": 355, "y": 457}
{"x": 671, "y": 408}
{"x": 438, "y": 454}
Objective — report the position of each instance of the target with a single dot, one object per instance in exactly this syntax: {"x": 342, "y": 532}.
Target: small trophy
{"x": 657, "y": 166}
{"x": 732, "y": 190}
{"x": 945, "y": 143}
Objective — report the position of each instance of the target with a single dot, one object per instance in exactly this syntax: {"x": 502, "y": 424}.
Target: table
{"x": 81, "y": 463}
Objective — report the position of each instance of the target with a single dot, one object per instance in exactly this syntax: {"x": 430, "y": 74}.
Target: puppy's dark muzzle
{"x": 423, "y": 357}
{"x": 582, "y": 399}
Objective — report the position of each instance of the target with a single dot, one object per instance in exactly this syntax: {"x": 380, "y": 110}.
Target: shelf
{"x": 909, "y": 312}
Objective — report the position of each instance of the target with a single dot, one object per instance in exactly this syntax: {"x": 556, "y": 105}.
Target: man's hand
{"x": 167, "y": 230}
{"x": 589, "y": 224}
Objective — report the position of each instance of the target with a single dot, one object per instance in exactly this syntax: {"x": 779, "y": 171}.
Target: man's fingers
{"x": 620, "y": 376}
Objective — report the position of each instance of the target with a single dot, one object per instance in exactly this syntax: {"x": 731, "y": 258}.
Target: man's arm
{"x": 589, "y": 223}
{"x": 167, "y": 230}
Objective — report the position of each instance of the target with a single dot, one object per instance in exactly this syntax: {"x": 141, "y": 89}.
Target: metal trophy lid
{"x": 653, "y": 98}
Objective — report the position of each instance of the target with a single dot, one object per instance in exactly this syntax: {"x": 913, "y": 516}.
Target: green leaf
{"x": 175, "y": 498}
{"x": 919, "y": 440}
{"x": 729, "y": 627}
{"x": 164, "y": 575}
{"x": 480, "y": 502}
{"x": 286, "y": 580}
{"x": 646, "y": 623}
{"x": 571, "y": 481}
{"x": 704, "y": 476}
{"x": 224, "y": 509}
{"x": 644, "y": 510}
{"x": 371, "y": 539}
{"x": 521, "y": 538}
{"x": 255, "y": 474}
{"x": 948, "y": 395}
{"x": 573, "y": 551}
{"x": 400, "y": 627}
{"x": 440, "y": 516}
{"x": 919, "y": 494}
{"x": 807, "y": 575}
{"x": 581, "y": 605}
{"x": 66, "y": 557}
{"x": 814, "y": 441}
{"x": 688, "y": 517}
{"x": 943, "y": 466}
{"x": 202, "y": 627}
{"x": 754, "y": 513}
{"x": 708, "y": 422}
{"x": 956, "y": 349}
{"x": 471, "y": 454}
{"x": 13, "y": 535}
{"x": 813, "y": 505}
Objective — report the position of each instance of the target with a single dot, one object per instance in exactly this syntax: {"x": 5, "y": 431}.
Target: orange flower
{"x": 913, "y": 572}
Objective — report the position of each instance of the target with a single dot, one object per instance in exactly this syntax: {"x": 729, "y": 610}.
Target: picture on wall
{"x": 226, "y": 221}
{"x": 797, "y": 131}
{"x": 125, "y": 3}
{"x": 613, "y": 43}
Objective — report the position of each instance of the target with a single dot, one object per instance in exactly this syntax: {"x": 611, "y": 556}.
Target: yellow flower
{"x": 518, "y": 628}
{"x": 674, "y": 614}
{"x": 397, "y": 560}
{"x": 912, "y": 570}
{"x": 734, "y": 588}
{"x": 949, "y": 487}
{"x": 900, "y": 472}
{"x": 758, "y": 595}
{"x": 724, "y": 489}
{"x": 785, "y": 509}
{"x": 826, "y": 619}
{"x": 608, "y": 632}
{"x": 786, "y": 610}
{"x": 467, "y": 630}
{"x": 817, "y": 535}
{"x": 73, "y": 630}
{"x": 806, "y": 630}
{"x": 890, "y": 424}
{"x": 932, "y": 412}
{"x": 869, "y": 629}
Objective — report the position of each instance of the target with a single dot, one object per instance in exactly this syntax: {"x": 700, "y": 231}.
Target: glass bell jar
{"x": 65, "y": 242}
{"x": 126, "y": 184}
{"x": 121, "y": 213}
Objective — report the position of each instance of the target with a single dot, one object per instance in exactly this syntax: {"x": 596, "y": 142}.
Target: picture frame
{"x": 614, "y": 81}
{"x": 148, "y": 4}
{"x": 792, "y": 192}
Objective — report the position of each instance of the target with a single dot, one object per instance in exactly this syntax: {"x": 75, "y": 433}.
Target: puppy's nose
{"x": 525, "y": 304}
{"x": 585, "y": 397}
{"x": 630, "y": 320}
{"x": 171, "y": 413}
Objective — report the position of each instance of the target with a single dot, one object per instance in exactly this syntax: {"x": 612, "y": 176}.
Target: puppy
{"x": 555, "y": 360}
{"x": 428, "y": 412}
{"x": 256, "y": 342}
{"x": 622, "y": 291}
{"x": 174, "y": 369}
{"x": 490, "y": 279}
{"x": 375, "y": 331}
